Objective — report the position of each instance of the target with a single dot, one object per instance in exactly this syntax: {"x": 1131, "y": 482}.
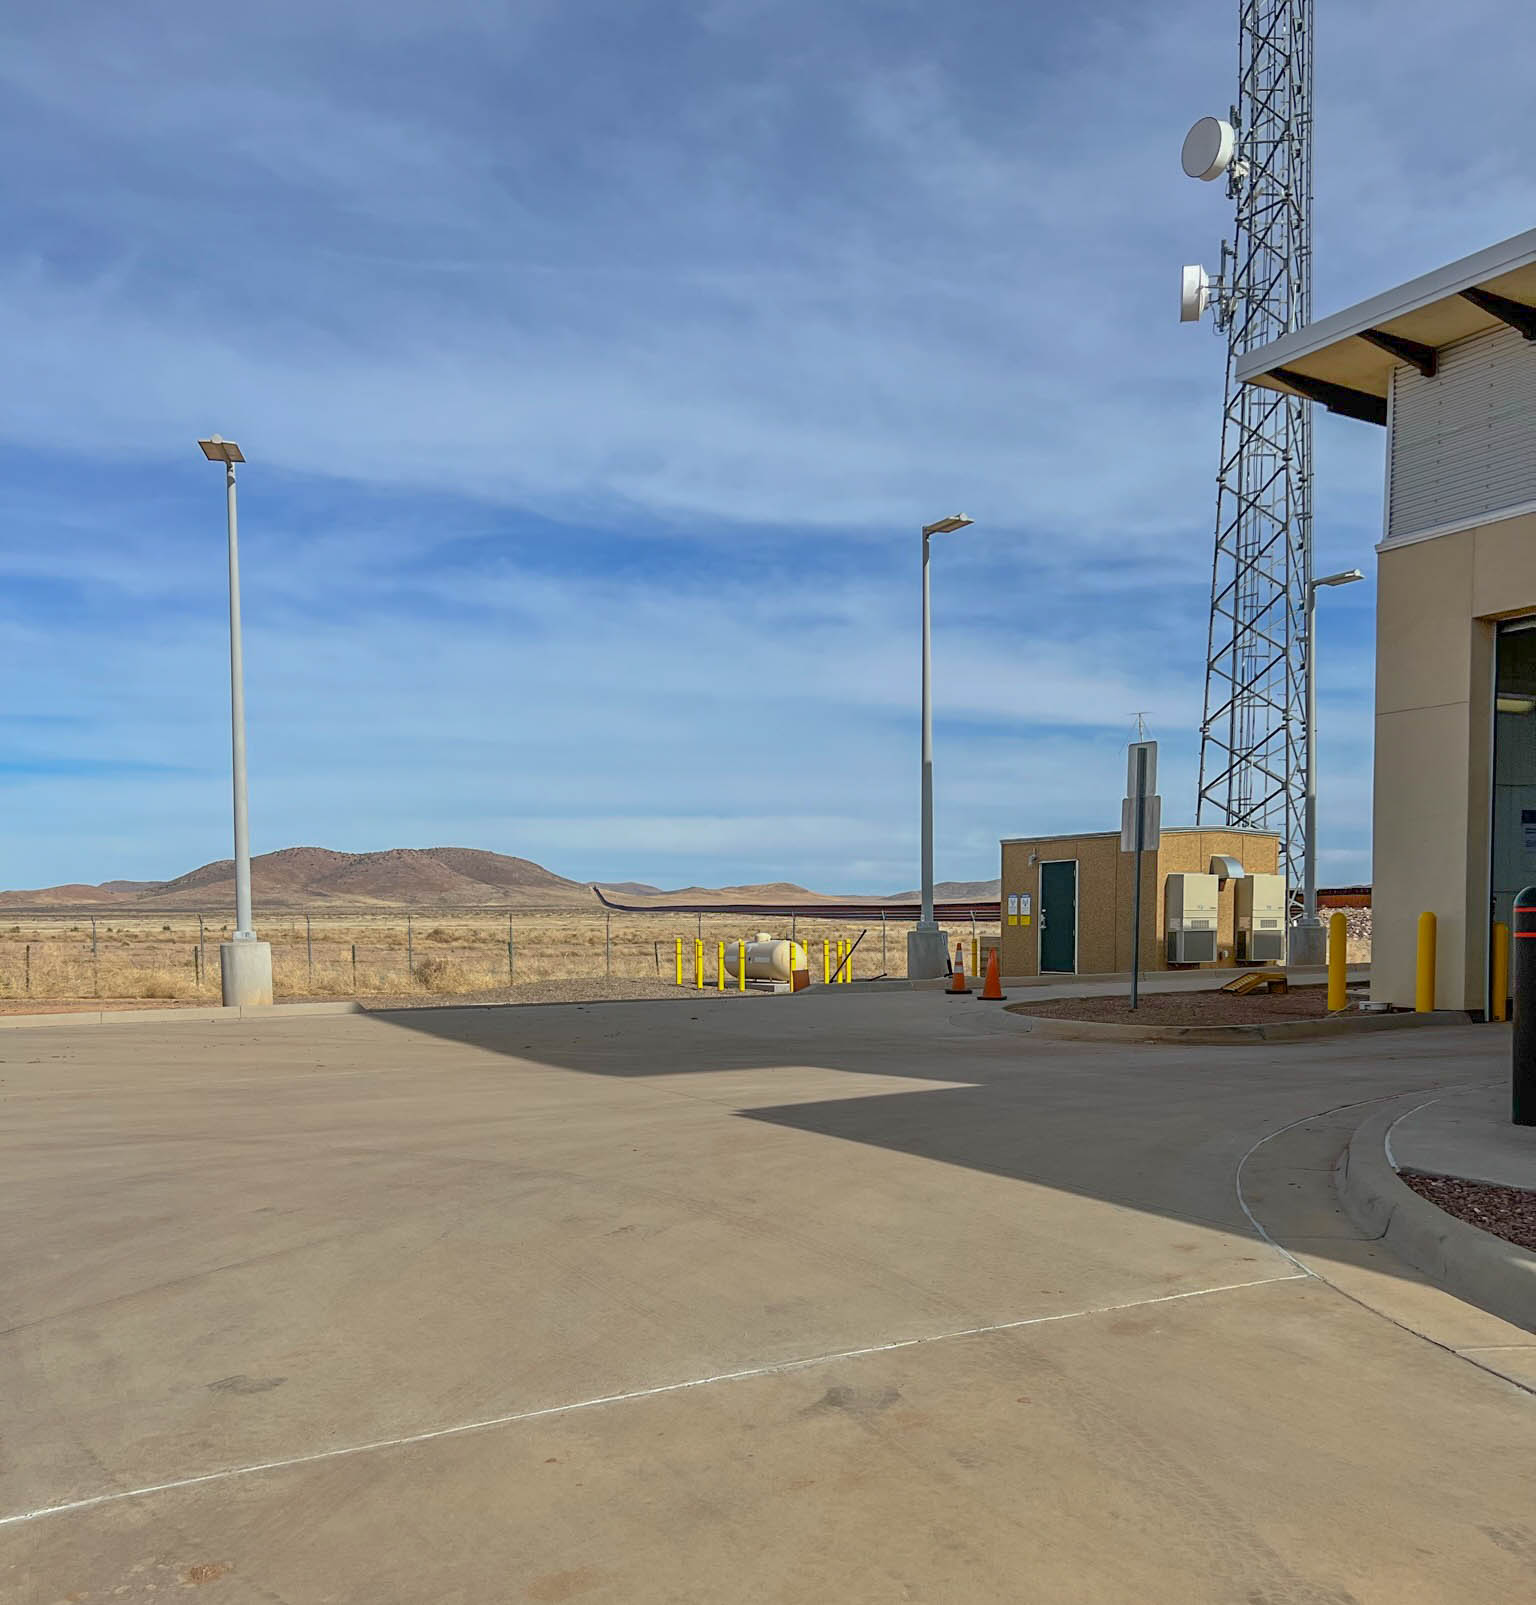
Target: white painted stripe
{"x": 616, "y": 1398}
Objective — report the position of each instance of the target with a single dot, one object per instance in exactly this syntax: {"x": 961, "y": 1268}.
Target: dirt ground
{"x": 1187, "y": 1008}
{"x": 1507, "y": 1212}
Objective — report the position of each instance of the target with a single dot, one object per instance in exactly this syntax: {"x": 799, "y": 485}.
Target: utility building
{"x": 1447, "y": 364}
{"x": 1068, "y": 901}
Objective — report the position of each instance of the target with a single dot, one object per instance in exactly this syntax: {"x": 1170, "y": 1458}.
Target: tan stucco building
{"x": 1067, "y": 901}
{"x": 1447, "y": 364}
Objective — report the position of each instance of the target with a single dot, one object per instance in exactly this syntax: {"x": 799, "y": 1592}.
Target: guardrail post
{"x": 1498, "y": 1004}
{"x": 1523, "y": 1077}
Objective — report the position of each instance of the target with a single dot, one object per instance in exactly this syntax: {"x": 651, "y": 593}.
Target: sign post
{"x": 1141, "y": 817}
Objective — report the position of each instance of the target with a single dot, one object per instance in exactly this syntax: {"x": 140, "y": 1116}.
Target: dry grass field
{"x": 172, "y": 957}
{"x": 53, "y": 959}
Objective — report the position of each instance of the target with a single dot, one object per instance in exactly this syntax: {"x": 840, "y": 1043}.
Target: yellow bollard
{"x": 698, "y": 964}
{"x": 1499, "y": 1002}
{"x": 975, "y": 955}
{"x": 826, "y": 962}
{"x": 720, "y": 967}
{"x": 1338, "y": 952}
{"x": 1424, "y": 975}
{"x": 842, "y": 959}
{"x": 741, "y": 964}
{"x": 679, "y": 961}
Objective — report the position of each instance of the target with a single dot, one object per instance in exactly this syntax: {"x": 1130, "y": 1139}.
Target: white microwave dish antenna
{"x": 1208, "y": 148}
{"x": 1194, "y": 294}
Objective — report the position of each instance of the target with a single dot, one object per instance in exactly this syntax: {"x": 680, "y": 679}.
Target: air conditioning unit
{"x": 1261, "y": 919}
{"x": 1189, "y": 918}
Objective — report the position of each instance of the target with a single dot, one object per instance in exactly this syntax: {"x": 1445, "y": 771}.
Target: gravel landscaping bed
{"x": 1507, "y": 1212}
{"x": 1186, "y": 1008}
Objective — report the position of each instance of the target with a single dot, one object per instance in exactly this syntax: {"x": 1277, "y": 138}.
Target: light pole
{"x": 1309, "y": 942}
{"x": 245, "y": 964}
{"x": 926, "y": 946}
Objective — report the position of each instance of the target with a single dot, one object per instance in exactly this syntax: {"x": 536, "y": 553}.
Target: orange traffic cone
{"x": 957, "y": 976}
{"x": 993, "y": 992}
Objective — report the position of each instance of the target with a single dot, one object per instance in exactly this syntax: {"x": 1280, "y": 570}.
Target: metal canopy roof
{"x": 1346, "y": 361}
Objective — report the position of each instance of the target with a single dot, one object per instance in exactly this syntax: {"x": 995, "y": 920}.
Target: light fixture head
{"x": 1195, "y": 288}
{"x": 1347, "y": 576}
{"x": 219, "y": 450}
{"x": 1208, "y": 148}
{"x": 945, "y": 525}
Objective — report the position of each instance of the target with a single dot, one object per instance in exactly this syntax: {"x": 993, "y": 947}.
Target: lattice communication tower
{"x": 1254, "y": 735}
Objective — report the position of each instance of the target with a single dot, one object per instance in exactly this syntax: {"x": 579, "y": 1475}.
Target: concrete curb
{"x": 273, "y": 1011}
{"x": 1232, "y": 1035}
{"x": 1473, "y": 1264}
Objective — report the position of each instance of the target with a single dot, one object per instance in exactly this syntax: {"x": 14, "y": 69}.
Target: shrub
{"x": 433, "y": 974}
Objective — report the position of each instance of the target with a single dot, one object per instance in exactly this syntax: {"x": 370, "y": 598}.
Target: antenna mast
{"x": 1254, "y": 736}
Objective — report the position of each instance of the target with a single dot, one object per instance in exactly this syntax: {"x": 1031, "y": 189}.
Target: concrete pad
{"x": 828, "y": 1300}
{"x": 1515, "y": 1361}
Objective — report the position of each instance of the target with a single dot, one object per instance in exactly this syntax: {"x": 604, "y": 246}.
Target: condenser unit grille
{"x": 1261, "y": 947}
{"x": 1191, "y": 947}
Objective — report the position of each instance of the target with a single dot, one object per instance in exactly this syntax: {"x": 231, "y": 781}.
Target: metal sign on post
{"x": 1141, "y": 816}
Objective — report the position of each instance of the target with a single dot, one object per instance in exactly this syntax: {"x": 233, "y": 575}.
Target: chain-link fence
{"x": 360, "y": 953}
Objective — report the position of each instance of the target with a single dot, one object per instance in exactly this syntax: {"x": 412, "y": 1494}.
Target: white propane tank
{"x": 768, "y": 959}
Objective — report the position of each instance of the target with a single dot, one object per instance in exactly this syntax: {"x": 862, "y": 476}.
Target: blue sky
{"x": 597, "y": 362}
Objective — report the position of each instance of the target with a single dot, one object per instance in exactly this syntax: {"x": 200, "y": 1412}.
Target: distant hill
{"x": 309, "y": 877}
{"x": 957, "y": 892}
{"x": 414, "y": 877}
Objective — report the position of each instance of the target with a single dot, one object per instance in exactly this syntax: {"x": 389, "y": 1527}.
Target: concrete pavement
{"x": 834, "y": 1298}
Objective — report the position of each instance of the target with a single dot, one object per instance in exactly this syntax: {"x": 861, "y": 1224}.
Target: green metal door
{"x": 1058, "y": 916}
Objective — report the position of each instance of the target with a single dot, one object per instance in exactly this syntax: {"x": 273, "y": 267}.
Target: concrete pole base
{"x": 927, "y": 954}
{"x": 1307, "y": 946}
{"x": 246, "y": 971}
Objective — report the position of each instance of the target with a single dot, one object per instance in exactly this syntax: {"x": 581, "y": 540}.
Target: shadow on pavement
{"x": 1160, "y": 1129}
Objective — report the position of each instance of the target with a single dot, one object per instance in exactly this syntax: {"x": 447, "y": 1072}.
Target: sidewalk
{"x": 1466, "y": 1134}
